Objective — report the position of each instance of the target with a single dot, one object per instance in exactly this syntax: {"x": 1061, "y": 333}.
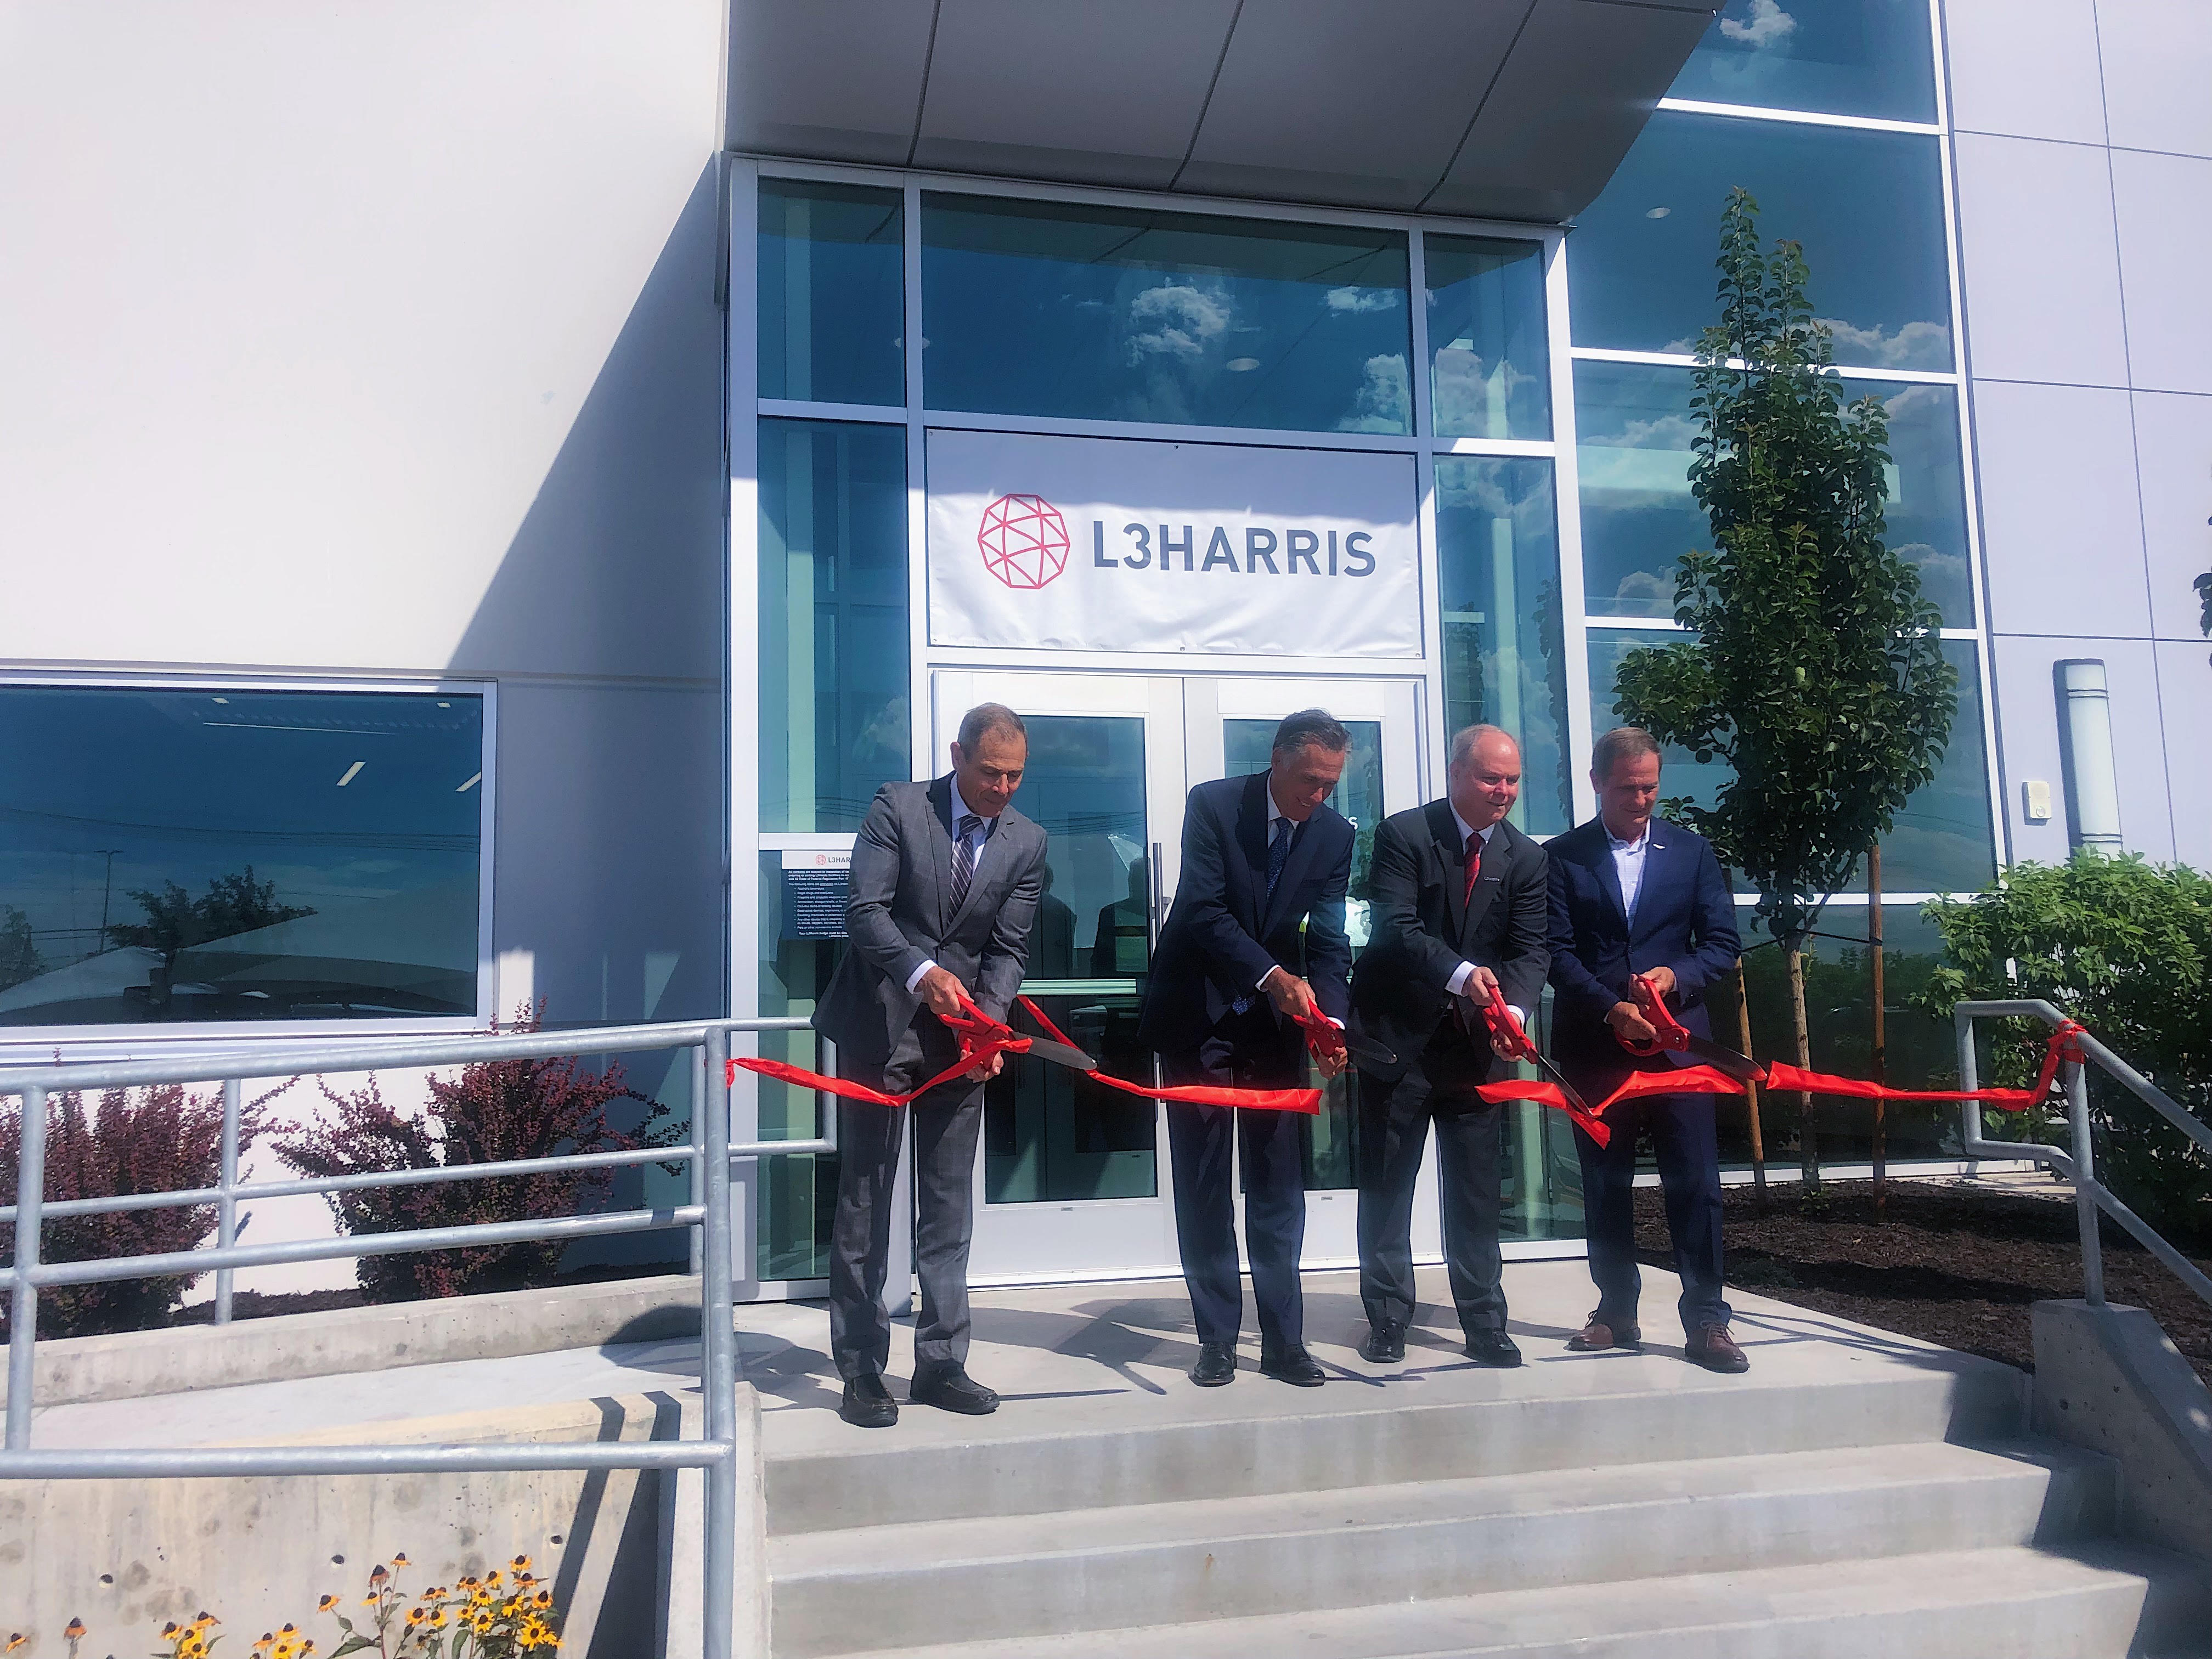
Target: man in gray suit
{"x": 945, "y": 884}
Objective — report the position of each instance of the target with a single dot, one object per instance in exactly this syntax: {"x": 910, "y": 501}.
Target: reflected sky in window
{"x": 1833, "y": 57}
{"x": 170, "y": 855}
{"x": 1867, "y": 206}
{"x": 1489, "y": 357}
{"x": 1112, "y": 313}
{"x": 832, "y": 293}
{"x": 1633, "y": 431}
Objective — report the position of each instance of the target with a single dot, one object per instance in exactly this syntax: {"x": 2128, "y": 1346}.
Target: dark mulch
{"x": 1956, "y": 1265}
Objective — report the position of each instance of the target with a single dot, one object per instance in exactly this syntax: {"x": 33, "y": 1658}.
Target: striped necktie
{"x": 965, "y": 847}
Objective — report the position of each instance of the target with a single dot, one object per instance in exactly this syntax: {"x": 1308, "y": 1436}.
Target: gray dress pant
{"x": 947, "y": 1124}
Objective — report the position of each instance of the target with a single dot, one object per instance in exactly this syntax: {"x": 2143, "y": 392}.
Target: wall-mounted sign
{"x": 1118, "y": 544}
{"x": 816, "y": 885}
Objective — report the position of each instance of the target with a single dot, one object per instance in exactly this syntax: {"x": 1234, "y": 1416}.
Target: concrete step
{"x": 2091, "y": 1602}
{"x": 1258, "y": 1437}
{"x": 1034, "y": 1575}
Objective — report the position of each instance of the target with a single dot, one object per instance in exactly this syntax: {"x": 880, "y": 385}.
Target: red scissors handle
{"x": 1504, "y": 1024}
{"x": 1672, "y": 1033}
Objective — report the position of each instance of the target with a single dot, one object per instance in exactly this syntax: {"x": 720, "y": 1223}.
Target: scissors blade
{"x": 1554, "y": 1074}
{"x": 1742, "y": 1067}
{"x": 1061, "y": 1053}
{"x": 1366, "y": 1048}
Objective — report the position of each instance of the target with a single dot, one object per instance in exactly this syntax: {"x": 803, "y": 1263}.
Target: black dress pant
{"x": 1246, "y": 1051}
{"x": 1394, "y": 1127}
{"x": 1682, "y": 1127}
{"x": 947, "y": 1125}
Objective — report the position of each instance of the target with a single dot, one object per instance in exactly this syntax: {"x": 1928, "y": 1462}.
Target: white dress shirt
{"x": 960, "y": 810}
{"x": 1457, "y": 984}
{"x": 1628, "y": 867}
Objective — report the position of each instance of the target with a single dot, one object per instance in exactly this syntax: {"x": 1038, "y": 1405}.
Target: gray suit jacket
{"x": 895, "y": 919}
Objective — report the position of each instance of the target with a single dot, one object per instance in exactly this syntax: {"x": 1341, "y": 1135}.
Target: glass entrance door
{"x": 1072, "y": 1180}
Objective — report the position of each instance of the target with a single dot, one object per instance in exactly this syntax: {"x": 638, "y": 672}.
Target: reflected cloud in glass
{"x": 1113, "y": 314}
{"x": 1489, "y": 353}
{"x": 1869, "y": 57}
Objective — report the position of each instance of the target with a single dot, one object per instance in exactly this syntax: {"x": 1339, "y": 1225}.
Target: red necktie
{"x": 1474, "y": 866}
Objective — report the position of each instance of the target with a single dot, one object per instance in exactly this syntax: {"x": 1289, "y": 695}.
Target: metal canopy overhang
{"x": 1493, "y": 109}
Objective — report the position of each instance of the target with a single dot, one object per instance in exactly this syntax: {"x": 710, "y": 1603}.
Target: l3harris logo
{"x": 1024, "y": 544}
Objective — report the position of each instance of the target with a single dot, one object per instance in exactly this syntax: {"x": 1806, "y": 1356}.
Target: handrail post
{"x": 1970, "y": 1078}
{"x": 696, "y": 1235}
{"x": 226, "y": 1213}
{"x": 719, "y": 1354}
{"x": 23, "y": 1305}
{"x": 2085, "y": 1184}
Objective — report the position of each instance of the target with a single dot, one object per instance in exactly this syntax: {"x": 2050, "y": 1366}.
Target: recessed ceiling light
{"x": 1656, "y": 213}
{"x": 1242, "y": 365}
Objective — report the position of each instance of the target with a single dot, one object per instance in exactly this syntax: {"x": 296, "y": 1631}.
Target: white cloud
{"x": 1355, "y": 299}
{"x": 1768, "y": 24}
{"x": 1174, "y": 322}
{"x": 1385, "y": 401}
{"x": 1472, "y": 393}
{"x": 1913, "y": 345}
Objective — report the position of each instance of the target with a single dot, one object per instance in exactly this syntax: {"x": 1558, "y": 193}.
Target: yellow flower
{"x": 286, "y": 1648}
{"x": 415, "y": 1616}
{"x": 15, "y": 1641}
{"x": 201, "y": 1619}
{"x": 520, "y": 1564}
{"x": 327, "y": 1604}
{"x": 268, "y": 1641}
{"x": 437, "y": 1620}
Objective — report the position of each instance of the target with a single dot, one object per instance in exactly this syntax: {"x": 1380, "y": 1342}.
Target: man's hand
{"x": 1291, "y": 995}
{"x": 989, "y": 1069}
{"x": 1627, "y": 1021}
{"x": 1662, "y": 980}
{"x": 1480, "y": 985}
{"x": 942, "y": 994}
{"x": 1332, "y": 1063}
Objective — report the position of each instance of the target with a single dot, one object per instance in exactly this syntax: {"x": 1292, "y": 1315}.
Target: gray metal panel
{"x": 2164, "y": 206}
{"x": 2173, "y": 442}
{"x": 1364, "y": 106}
{"x": 2026, "y": 68}
{"x": 1105, "y": 94}
{"x": 838, "y": 79}
{"x": 2157, "y": 59}
{"x": 1576, "y": 90}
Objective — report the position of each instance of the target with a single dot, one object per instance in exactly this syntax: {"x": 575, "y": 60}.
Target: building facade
{"x": 501, "y": 487}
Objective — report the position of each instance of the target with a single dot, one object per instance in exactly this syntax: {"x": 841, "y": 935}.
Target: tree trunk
{"x": 1881, "y": 1032}
{"x": 1808, "y": 1140}
{"x": 1750, "y": 1090}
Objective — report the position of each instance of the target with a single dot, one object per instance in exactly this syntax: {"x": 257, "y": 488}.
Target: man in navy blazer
{"x": 1634, "y": 894}
{"x": 1254, "y": 942}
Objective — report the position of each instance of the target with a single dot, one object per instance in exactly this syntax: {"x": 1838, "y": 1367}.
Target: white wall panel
{"x": 360, "y": 336}
{"x": 2060, "y": 528}
{"x": 2028, "y": 731}
{"x": 2173, "y": 438}
{"x": 2042, "y": 276}
{"x": 2164, "y": 206}
{"x": 2157, "y": 59}
{"x": 2185, "y": 678}
{"x": 2026, "y": 69}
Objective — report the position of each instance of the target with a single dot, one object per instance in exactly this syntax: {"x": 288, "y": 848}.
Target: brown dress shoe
{"x": 1716, "y": 1350}
{"x": 1598, "y": 1335}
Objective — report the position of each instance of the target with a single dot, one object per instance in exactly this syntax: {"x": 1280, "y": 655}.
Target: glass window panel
{"x": 834, "y": 718}
{"x": 1867, "y": 206}
{"x": 1940, "y": 839}
{"x": 832, "y": 292}
{"x": 1505, "y": 643}
{"x": 1832, "y": 56}
{"x": 1633, "y": 426}
{"x": 172, "y": 856}
{"x": 1134, "y": 314}
{"x": 798, "y": 1192}
{"x": 1490, "y": 354}
{"x": 1050, "y": 1136}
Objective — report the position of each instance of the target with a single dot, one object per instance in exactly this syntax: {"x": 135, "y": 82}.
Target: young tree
{"x": 1814, "y": 667}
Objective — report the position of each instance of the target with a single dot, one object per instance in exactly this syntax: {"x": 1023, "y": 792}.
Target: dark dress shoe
{"x": 1385, "y": 1343}
{"x": 1599, "y": 1334}
{"x": 950, "y": 1389}
{"x": 1216, "y": 1367}
{"x": 1493, "y": 1348}
{"x": 867, "y": 1403}
{"x": 1294, "y": 1366}
{"x": 1716, "y": 1350}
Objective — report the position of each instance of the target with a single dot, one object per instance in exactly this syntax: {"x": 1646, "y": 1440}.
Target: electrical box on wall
{"x": 2035, "y": 800}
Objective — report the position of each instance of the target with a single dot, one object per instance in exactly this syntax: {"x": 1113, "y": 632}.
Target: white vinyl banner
{"x": 1120, "y": 544}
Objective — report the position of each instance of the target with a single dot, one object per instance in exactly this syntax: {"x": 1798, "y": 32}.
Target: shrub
{"x": 2124, "y": 947}
{"x": 155, "y": 1139}
{"x": 493, "y": 1112}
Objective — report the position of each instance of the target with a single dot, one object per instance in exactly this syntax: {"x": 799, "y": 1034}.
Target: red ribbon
{"x": 980, "y": 1037}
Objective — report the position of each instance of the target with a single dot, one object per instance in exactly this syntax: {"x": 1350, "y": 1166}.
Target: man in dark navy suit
{"x": 1633, "y": 894}
{"x": 1255, "y": 943}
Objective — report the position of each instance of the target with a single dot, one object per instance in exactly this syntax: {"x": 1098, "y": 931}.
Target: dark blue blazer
{"x": 1684, "y": 921}
{"x": 1224, "y": 932}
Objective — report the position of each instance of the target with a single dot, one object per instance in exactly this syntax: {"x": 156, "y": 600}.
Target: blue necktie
{"x": 1278, "y": 853}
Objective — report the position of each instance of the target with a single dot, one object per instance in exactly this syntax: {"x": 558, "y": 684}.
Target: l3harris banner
{"x": 1119, "y": 544}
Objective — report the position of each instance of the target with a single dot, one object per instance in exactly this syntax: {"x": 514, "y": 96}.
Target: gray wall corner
{"x": 2109, "y": 1379}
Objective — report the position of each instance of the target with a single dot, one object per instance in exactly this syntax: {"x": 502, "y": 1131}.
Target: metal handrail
{"x": 707, "y": 1218}
{"x": 2090, "y": 1194}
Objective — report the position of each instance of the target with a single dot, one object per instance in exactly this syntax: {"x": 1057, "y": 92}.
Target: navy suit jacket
{"x": 1684, "y": 921}
{"x": 1224, "y": 932}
